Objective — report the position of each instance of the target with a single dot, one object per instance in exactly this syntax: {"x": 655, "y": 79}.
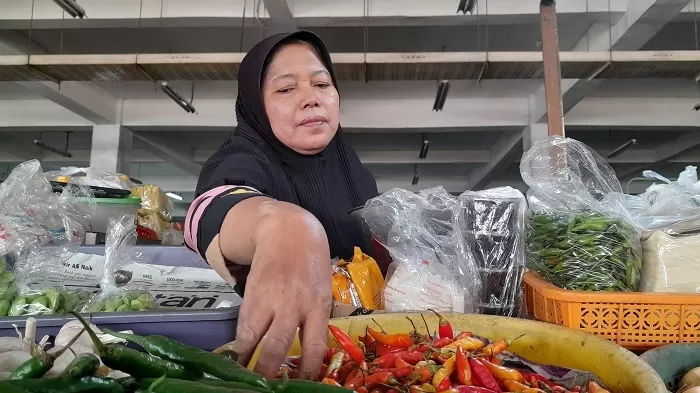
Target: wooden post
{"x": 552, "y": 69}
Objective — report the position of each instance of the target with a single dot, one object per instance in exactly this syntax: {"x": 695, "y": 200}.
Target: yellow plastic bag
{"x": 367, "y": 278}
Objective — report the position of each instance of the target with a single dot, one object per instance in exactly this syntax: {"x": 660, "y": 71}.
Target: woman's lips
{"x": 313, "y": 121}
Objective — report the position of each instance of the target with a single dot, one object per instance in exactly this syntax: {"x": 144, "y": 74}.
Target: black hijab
{"x": 328, "y": 184}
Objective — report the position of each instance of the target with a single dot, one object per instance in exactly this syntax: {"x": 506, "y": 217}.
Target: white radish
{"x": 8, "y": 344}
{"x": 9, "y": 361}
{"x": 61, "y": 362}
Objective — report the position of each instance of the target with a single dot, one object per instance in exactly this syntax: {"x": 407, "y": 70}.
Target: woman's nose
{"x": 309, "y": 99}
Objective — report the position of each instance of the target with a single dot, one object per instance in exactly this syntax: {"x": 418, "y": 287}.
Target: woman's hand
{"x": 289, "y": 287}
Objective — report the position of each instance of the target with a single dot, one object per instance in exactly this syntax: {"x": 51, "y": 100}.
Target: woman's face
{"x": 300, "y": 100}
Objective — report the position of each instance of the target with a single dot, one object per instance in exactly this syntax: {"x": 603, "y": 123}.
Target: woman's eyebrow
{"x": 292, "y": 75}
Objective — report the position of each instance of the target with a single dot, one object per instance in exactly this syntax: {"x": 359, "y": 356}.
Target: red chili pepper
{"x": 559, "y": 389}
{"x": 411, "y": 357}
{"x": 420, "y": 374}
{"x": 362, "y": 389}
{"x": 444, "y": 327}
{"x": 444, "y": 385}
{"x": 463, "y": 335}
{"x": 471, "y": 389}
{"x": 532, "y": 378}
{"x": 323, "y": 370}
{"x": 576, "y": 389}
{"x": 345, "y": 371}
{"x": 369, "y": 343}
{"x": 329, "y": 353}
{"x": 422, "y": 348}
{"x": 347, "y": 344}
{"x": 362, "y": 379}
{"x": 382, "y": 349}
{"x": 401, "y": 340}
{"x": 399, "y": 362}
{"x": 482, "y": 377}
{"x": 399, "y": 372}
{"x": 385, "y": 361}
{"x": 442, "y": 341}
{"x": 464, "y": 371}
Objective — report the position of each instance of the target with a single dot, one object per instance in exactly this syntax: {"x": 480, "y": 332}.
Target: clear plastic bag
{"x": 577, "y": 240}
{"x": 492, "y": 223}
{"x": 8, "y": 287}
{"x": 663, "y": 204}
{"x": 430, "y": 268}
{"x": 40, "y": 231}
{"x": 90, "y": 177}
{"x": 153, "y": 201}
{"x": 120, "y": 252}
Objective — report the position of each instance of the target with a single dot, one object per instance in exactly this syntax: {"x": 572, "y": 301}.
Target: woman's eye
{"x": 322, "y": 85}
{"x": 285, "y": 90}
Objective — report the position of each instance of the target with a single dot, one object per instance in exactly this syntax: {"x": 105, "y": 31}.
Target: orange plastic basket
{"x": 633, "y": 320}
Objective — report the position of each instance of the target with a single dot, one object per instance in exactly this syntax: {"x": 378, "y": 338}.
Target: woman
{"x": 273, "y": 201}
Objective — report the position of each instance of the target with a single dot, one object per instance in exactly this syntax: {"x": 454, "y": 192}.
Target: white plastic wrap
{"x": 120, "y": 252}
{"x": 577, "y": 239}
{"x": 671, "y": 262}
{"x": 39, "y": 231}
{"x": 493, "y": 224}
{"x": 429, "y": 269}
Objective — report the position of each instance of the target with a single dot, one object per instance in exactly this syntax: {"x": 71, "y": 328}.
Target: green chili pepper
{"x": 182, "y": 386}
{"x": 218, "y": 383}
{"x": 302, "y": 386}
{"x": 136, "y": 363}
{"x": 66, "y": 385}
{"x": 84, "y": 365}
{"x": 40, "y": 364}
{"x": 195, "y": 358}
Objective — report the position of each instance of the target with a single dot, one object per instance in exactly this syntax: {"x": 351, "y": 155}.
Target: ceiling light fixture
{"x": 187, "y": 106}
{"x": 466, "y": 6}
{"x": 622, "y": 148}
{"x": 44, "y": 146}
{"x": 72, "y": 8}
{"x": 441, "y": 95}
{"x": 173, "y": 196}
{"x": 415, "y": 175}
{"x": 424, "y": 148}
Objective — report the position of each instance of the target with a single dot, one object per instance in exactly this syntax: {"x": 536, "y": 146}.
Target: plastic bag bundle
{"x": 89, "y": 177}
{"x": 153, "y": 201}
{"x": 119, "y": 252}
{"x": 492, "y": 223}
{"x": 577, "y": 240}
{"x": 40, "y": 231}
{"x": 429, "y": 269}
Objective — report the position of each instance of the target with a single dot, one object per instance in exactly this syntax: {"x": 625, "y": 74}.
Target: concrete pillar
{"x": 111, "y": 148}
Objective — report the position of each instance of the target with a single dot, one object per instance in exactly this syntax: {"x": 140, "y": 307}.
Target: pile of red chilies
{"x": 415, "y": 363}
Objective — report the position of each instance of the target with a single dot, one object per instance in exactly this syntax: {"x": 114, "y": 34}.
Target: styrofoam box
{"x": 206, "y": 329}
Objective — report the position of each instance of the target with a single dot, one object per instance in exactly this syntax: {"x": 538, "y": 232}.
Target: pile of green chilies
{"x": 167, "y": 366}
{"x": 584, "y": 251}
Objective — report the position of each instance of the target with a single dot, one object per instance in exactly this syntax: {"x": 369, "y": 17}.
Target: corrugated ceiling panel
{"x": 16, "y": 68}
{"x": 200, "y": 66}
{"x": 89, "y": 67}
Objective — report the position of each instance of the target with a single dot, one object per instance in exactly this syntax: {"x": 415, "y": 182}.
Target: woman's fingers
{"x": 276, "y": 343}
{"x": 253, "y": 322}
{"x": 314, "y": 343}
